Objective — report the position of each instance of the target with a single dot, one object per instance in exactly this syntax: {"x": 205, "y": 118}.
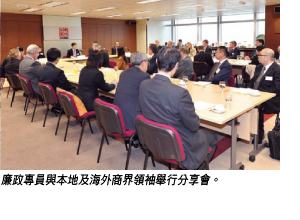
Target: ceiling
{"x": 183, "y": 8}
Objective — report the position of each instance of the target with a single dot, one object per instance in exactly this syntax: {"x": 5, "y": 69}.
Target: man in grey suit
{"x": 185, "y": 67}
{"x": 29, "y": 67}
{"x": 164, "y": 102}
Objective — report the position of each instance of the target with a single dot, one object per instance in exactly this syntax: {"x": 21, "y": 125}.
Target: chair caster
{"x": 252, "y": 158}
{"x": 242, "y": 167}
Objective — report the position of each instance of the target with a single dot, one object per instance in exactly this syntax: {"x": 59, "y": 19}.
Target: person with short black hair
{"x": 222, "y": 70}
{"x": 122, "y": 62}
{"x": 179, "y": 44}
{"x": 167, "y": 103}
{"x": 233, "y": 50}
{"x": 91, "y": 79}
{"x": 41, "y": 53}
{"x": 258, "y": 42}
{"x": 254, "y": 60}
{"x": 73, "y": 52}
{"x": 52, "y": 75}
{"x": 185, "y": 67}
{"x": 114, "y": 50}
{"x": 204, "y": 57}
{"x": 153, "y": 50}
{"x": 207, "y": 49}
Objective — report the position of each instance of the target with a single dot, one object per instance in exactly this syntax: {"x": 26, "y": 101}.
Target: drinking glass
{"x": 116, "y": 70}
{"x": 185, "y": 79}
{"x": 238, "y": 57}
{"x": 222, "y": 85}
{"x": 228, "y": 99}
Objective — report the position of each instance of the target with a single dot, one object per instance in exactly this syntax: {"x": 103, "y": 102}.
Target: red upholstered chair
{"x": 14, "y": 83}
{"x": 65, "y": 56}
{"x": 112, "y": 63}
{"x": 235, "y": 77}
{"x": 68, "y": 105}
{"x": 201, "y": 69}
{"x": 194, "y": 77}
{"x": 129, "y": 64}
{"x": 161, "y": 140}
{"x": 246, "y": 77}
{"x": 231, "y": 81}
{"x": 111, "y": 122}
{"x": 49, "y": 97}
{"x": 26, "y": 85}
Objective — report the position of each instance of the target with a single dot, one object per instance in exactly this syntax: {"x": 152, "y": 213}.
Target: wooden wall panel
{"x": 108, "y": 38}
{"x": 272, "y": 39}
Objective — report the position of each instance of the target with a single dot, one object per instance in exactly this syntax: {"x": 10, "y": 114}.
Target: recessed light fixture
{"x": 141, "y": 12}
{"x": 78, "y": 13}
{"x": 143, "y": 18}
{"x": 32, "y": 9}
{"x": 148, "y": 1}
{"x": 111, "y": 16}
{"x": 169, "y": 15}
{"x": 104, "y": 9}
{"x": 53, "y": 4}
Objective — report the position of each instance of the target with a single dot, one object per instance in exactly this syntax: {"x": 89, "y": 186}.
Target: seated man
{"x": 15, "y": 59}
{"x": 91, "y": 48}
{"x": 29, "y": 66}
{"x": 164, "y": 102}
{"x": 267, "y": 79}
{"x": 221, "y": 71}
{"x": 114, "y": 50}
{"x": 207, "y": 49}
{"x": 258, "y": 42}
{"x": 170, "y": 43}
{"x": 152, "y": 68}
{"x": 52, "y": 75}
{"x": 179, "y": 44}
{"x": 254, "y": 60}
{"x": 204, "y": 57}
{"x": 73, "y": 52}
{"x": 127, "y": 94}
{"x": 105, "y": 56}
{"x": 233, "y": 50}
{"x": 185, "y": 67}
{"x": 41, "y": 53}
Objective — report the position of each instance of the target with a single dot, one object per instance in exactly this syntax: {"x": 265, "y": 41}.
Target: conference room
{"x": 35, "y": 136}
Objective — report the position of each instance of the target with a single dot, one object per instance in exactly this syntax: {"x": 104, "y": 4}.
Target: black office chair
{"x": 201, "y": 69}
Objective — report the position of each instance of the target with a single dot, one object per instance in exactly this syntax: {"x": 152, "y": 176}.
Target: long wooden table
{"x": 240, "y": 120}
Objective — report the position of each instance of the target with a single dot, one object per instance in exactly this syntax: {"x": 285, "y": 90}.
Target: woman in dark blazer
{"x": 91, "y": 79}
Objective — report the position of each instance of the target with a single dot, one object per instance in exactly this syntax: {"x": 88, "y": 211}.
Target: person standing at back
{"x": 164, "y": 102}
{"x": 127, "y": 94}
{"x": 29, "y": 67}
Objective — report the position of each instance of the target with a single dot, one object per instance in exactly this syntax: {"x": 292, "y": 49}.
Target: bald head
{"x": 266, "y": 56}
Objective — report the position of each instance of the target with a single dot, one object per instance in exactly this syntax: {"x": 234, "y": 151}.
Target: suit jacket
{"x": 208, "y": 50}
{"x": 164, "y": 102}
{"x": 204, "y": 57}
{"x": 54, "y": 76}
{"x": 121, "y": 64}
{"x": 41, "y": 55}
{"x": 255, "y": 61}
{"x": 185, "y": 68}
{"x": 127, "y": 94}
{"x": 223, "y": 75}
{"x": 233, "y": 53}
{"x": 152, "y": 68}
{"x": 253, "y": 54}
{"x": 90, "y": 50}
{"x": 29, "y": 69}
{"x": 277, "y": 55}
{"x": 12, "y": 66}
{"x": 105, "y": 58}
{"x": 271, "y": 85}
{"x": 70, "y": 53}
{"x": 90, "y": 80}
{"x": 113, "y": 51}
{"x": 5, "y": 61}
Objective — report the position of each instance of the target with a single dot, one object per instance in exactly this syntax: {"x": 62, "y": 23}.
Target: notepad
{"x": 200, "y": 105}
{"x": 201, "y": 83}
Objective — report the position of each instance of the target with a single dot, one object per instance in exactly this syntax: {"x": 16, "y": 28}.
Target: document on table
{"x": 71, "y": 74}
{"x": 201, "y": 83}
{"x": 200, "y": 105}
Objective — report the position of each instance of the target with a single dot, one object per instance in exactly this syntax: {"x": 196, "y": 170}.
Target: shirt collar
{"x": 267, "y": 66}
{"x": 221, "y": 62}
{"x": 164, "y": 75}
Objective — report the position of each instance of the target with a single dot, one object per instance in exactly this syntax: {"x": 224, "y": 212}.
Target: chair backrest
{"x": 48, "y": 94}
{"x": 26, "y": 86}
{"x": 200, "y": 68}
{"x": 112, "y": 63}
{"x": 194, "y": 76}
{"x": 65, "y": 56}
{"x": 109, "y": 117}
{"x": 67, "y": 103}
{"x": 162, "y": 140}
{"x": 231, "y": 81}
{"x": 13, "y": 80}
{"x": 245, "y": 75}
{"x": 129, "y": 64}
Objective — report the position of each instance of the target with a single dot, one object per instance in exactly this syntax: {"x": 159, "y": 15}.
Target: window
{"x": 208, "y": 19}
{"x": 209, "y": 32}
{"x": 260, "y": 16}
{"x": 242, "y": 33}
{"x": 166, "y": 22}
{"x": 187, "y": 33}
{"x": 186, "y": 21}
{"x": 238, "y": 17}
{"x": 167, "y": 35}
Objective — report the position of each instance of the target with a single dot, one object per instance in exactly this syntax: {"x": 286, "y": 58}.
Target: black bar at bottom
{"x": 109, "y": 179}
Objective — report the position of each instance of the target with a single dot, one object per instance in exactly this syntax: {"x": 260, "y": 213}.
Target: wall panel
{"x": 272, "y": 39}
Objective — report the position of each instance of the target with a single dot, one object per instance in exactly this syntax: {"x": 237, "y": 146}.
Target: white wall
{"x": 157, "y": 31}
{"x": 141, "y": 36}
{"x": 51, "y": 26}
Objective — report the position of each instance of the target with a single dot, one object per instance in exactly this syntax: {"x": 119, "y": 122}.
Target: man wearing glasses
{"x": 267, "y": 79}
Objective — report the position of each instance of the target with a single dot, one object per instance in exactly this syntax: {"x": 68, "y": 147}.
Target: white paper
{"x": 200, "y": 105}
{"x": 70, "y": 74}
{"x": 201, "y": 83}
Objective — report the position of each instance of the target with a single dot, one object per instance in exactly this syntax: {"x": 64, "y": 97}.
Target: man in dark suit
{"x": 152, "y": 67}
{"x": 105, "y": 56}
{"x": 164, "y": 102}
{"x": 185, "y": 67}
{"x": 204, "y": 57}
{"x": 15, "y": 59}
{"x": 179, "y": 44}
{"x": 207, "y": 48}
{"x": 41, "y": 53}
{"x": 157, "y": 44}
{"x": 73, "y": 52}
{"x": 254, "y": 60}
{"x": 91, "y": 48}
{"x": 52, "y": 75}
{"x": 258, "y": 42}
{"x": 267, "y": 79}
{"x": 127, "y": 94}
{"x": 233, "y": 50}
{"x": 29, "y": 67}
{"x": 222, "y": 70}
{"x": 114, "y": 50}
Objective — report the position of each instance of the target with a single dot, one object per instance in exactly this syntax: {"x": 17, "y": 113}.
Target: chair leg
{"x": 106, "y": 139}
{"x": 129, "y": 152}
{"x": 28, "y": 101}
{"x": 206, "y": 164}
{"x": 170, "y": 168}
{"x": 34, "y": 109}
{"x": 13, "y": 97}
{"x": 101, "y": 145}
{"x": 152, "y": 158}
{"x": 46, "y": 115}
{"x": 90, "y": 126}
{"x": 146, "y": 159}
{"x": 81, "y": 133}
{"x": 58, "y": 122}
{"x": 8, "y": 92}
{"x": 67, "y": 128}
{"x": 126, "y": 146}
{"x": 25, "y": 103}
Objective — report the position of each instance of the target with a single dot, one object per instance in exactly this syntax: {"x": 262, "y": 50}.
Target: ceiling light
{"x": 242, "y": 3}
{"x": 141, "y": 12}
{"x": 78, "y": 13}
{"x": 104, "y": 9}
{"x": 53, "y": 4}
{"x": 148, "y": 1}
{"x": 169, "y": 15}
{"x": 32, "y": 9}
{"x": 110, "y": 16}
{"x": 190, "y": 6}
{"x": 143, "y": 18}
{"x": 217, "y": 10}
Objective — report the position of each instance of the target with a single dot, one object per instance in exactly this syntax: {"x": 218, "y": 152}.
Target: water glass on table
{"x": 185, "y": 79}
{"x": 228, "y": 99}
{"x": 222, "y": 85}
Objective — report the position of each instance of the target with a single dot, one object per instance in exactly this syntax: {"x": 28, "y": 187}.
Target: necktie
{"x": 214, "y": 71}
{"x": 259, "y": 78}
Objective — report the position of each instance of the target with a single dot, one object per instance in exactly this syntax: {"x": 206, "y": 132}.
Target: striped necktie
{"x": 259, "y": 78}
{"x": 214, "y": 71}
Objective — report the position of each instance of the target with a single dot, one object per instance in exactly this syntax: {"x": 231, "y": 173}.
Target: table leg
{"x": 233, "y": 165}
